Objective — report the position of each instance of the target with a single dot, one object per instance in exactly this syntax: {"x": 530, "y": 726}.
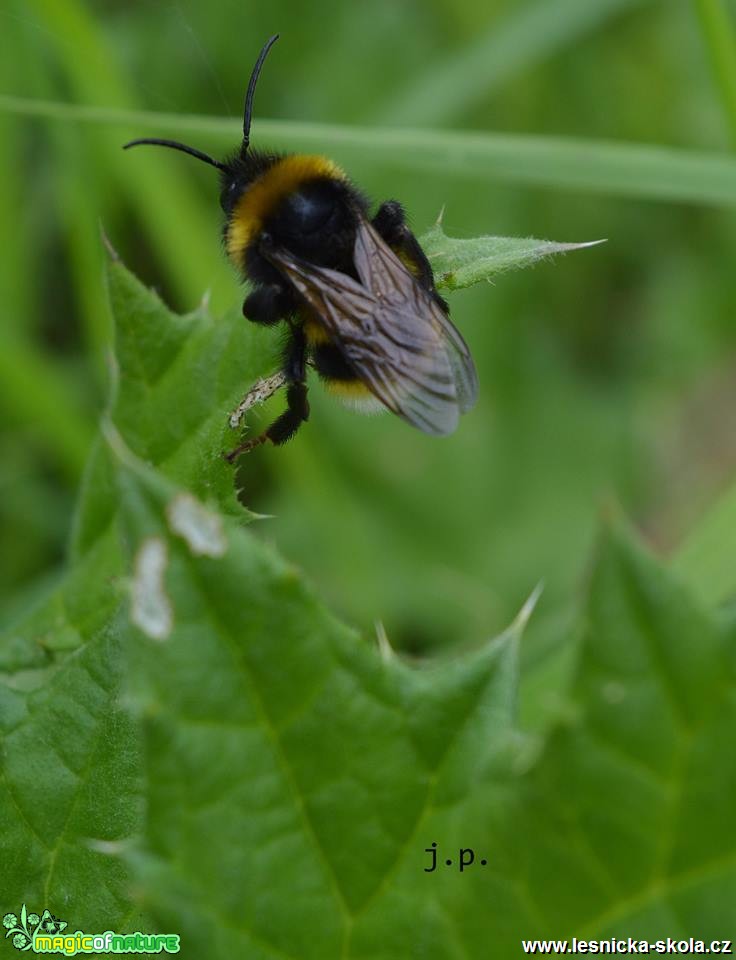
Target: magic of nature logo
{"x": 46, "y": 933}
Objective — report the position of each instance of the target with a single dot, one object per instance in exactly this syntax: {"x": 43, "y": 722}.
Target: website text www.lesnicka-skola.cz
{"x": 629, "y": 946}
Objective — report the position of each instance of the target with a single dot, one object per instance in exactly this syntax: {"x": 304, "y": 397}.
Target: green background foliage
{"x": 263, "y": 781}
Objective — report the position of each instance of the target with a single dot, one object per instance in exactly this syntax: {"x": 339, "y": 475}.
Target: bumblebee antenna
{"x": 175, "y": 145}
{"x": 251, "y": 91}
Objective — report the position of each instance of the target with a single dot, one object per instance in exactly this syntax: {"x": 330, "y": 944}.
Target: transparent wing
{"x": 394, "y": 335}
{"x": 381, "y": 271}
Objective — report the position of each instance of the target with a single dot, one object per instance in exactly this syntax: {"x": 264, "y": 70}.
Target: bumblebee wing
{"x": 394, "y": 335}
{"x": 381, "y": 271}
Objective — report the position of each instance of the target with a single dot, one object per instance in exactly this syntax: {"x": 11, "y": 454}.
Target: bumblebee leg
{"x": 295, "y": 355}
{"x": 297, "y": 411}
{"x": 297, "y": 405}
{"x": 390, "y": 222}
{"x": 268, "y": 304}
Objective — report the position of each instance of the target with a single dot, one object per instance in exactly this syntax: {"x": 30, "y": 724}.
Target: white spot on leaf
{"x": 199, "y": 527}
{"x": 109, "y": 848}
{"x": 151, "y": 607}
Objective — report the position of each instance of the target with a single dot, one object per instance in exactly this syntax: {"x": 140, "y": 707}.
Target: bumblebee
{"x": 356, "y": 292}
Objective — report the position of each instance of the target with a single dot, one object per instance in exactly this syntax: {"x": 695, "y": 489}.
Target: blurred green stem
{"x": 715, "y": 22}
{"x": 630, "y": 170}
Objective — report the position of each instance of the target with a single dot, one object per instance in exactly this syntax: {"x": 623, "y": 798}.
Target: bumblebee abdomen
{"x": 410, "y": 260}
{"x": 354, "y": 394}
{"x": 336, "y": 373}
{"x": 314, "y": 331}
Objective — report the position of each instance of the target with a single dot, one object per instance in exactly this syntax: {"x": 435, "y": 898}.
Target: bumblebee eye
{"x": 229, "y": 196}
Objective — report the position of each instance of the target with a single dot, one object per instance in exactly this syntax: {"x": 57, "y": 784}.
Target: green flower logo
{"x": 51, "y": 924}
{"x": 22, "y": 928}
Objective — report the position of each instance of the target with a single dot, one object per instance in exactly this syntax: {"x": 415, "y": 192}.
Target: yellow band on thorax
{"x": 262, "y": 196}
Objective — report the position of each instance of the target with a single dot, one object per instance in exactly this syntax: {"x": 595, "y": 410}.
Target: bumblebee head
{"x": 231, "y": 171}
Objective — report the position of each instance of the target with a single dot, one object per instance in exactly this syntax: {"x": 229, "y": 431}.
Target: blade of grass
{"x": 629, "y": 170}
{"x": 161, "y": 195}
{"x": 35, "y": 391}
{"x": 78, "y": 205}
{"x": 514, "y": 43}
{"x": 15, "y": 286}
{"x": 36, "y": 396}
{"x": 16, "y": 281}
{"x": 717, "y": 28}
{"x": 75, "y": 187}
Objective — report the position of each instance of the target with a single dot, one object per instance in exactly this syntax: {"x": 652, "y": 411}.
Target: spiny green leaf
{"x": 622, "y": 824}
{"x": 350, "y": 768}
{"x": 326, "y": 758}
{"x": 176, "y": 379}
{"x": 190, "y": 733}
{"x": 70, "y": 789}
{"x": 459, "y": 263}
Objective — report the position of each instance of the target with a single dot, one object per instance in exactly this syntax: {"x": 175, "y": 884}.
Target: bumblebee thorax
{"x": 291, "y": 191}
